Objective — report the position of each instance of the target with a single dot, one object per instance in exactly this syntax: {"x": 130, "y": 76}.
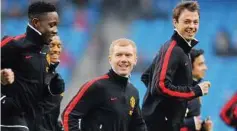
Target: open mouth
{"x": 123, "y": 66}
{"x": 190, "y": 32}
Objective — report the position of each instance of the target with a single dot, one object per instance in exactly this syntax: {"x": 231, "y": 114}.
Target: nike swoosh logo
{"x": 28, "y": 56}
{"x": 113, "y": 98}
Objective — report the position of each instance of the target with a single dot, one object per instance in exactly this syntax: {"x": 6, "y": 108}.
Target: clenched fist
{"x": 198, "y": 123}
{"x": 205, "y": 87}
{"x": 7, "y": 76}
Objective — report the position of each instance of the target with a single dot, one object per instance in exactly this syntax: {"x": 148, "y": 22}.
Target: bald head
{"x": 122, "y": 42}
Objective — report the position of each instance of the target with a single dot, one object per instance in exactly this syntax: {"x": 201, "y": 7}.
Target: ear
{"x": 35, "y": 23}
{"x": 135, "y": 62}
{"x": 109, "y": 58}
{"x": 175, "y": 22}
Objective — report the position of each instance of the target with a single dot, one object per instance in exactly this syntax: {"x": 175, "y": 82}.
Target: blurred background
{"x": 87, "y": 27}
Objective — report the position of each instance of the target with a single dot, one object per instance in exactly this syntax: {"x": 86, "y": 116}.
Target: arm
{"x": 189, "y": 123}
{"x": 79, "y": 106}
{"x": 164, "y": 73}
{"x": 8, "y": 50}
{"x": 49, "y": 103}
{"x": 55, "y": 85}
{"x": 145, "y": 78}
{"x": 229, "y": 112}
{"x": 137, "y": 123}
{"x": 9, "y": 105}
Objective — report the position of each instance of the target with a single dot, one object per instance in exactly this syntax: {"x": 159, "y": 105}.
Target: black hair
{"x": 40, "y": 7}
{"x": 195, "y": 53}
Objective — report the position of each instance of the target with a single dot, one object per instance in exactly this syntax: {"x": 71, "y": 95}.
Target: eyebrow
{"x": 58, "y": 43}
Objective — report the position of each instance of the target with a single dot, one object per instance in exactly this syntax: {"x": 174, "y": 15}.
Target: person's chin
{"x": 200, "y": 77}
{"x": 123, "y": 73}
{"x": 188, "y": 38}
{"x": 54, "y": 61}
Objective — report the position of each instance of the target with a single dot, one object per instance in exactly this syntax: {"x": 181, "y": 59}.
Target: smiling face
{"x": 186, "y": 19}
{"x": 187, "y": 24}
{"x": 55, "y": 49}
{"x": 47, "y": 24}
{"x": 123, "y": 56}
{"x": 199, "y": 67}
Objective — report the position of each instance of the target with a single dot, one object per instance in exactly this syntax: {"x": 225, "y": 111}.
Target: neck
{"x": 127, "y": 76}
{"x": 187, "y": 41}
{"x": 195, "y": 79}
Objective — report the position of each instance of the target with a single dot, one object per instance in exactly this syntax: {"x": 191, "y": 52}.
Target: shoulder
{"x": 13, "y": 41}
{"x": 175, "y": 48}
{"x": 171, "y": 46}
{"x": 97, "y": 82}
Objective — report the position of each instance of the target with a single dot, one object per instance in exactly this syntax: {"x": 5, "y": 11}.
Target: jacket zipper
{"x": 42, "y": 71}
{"x": 100, "y": 127}
{"x": 123, "y": 95}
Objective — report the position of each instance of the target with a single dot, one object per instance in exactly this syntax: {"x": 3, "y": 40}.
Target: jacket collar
{"x": 34, "y": 36}
{"x": 196, "y": 81}
{"x": 123, "y": 81}
{"x": 184, "y": 44}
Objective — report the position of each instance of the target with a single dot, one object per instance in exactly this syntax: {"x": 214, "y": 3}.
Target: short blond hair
{"x": 122, "y": 42}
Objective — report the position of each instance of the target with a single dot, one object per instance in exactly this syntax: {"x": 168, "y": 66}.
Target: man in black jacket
{"x": 193, "y": 121}
{"x": 109, "y": 102}
{"x": 51, "y": 103}
{"x": 169, "y": 78}
{"x": 229, "y": 112}
{"x": 25, "y": 55}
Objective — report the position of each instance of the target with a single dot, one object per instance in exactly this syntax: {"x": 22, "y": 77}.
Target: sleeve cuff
{"x": 197, "y": 90}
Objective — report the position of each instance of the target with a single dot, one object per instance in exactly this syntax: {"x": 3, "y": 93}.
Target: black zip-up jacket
{"x": 49, "y": 120}
{"x": 229, "y": 112}
{"x": 50, "y": 105}
{"x": 107, "y": 103}
{"x": 169, "y": 85}
{"x": 26, "y": 56}
{"x": 194, "y": 109}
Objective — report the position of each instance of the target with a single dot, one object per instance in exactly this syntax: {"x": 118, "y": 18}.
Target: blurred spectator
{"x": 81, "y": 3}
{"x": 235, "y": 40}
{"x": 14, "y": 8}
{"x": 222, "y": 43}
{"x": 121, "y": 8}
{"x": 152, "y": 9}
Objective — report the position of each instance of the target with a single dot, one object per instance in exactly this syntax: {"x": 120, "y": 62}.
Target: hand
{"x": 208, "y": 124}
{"x": 198, "y": 123}
{"x": 205, "y": 87}
{"x": 57, "y": 84}
{"x": 7, "y": 76}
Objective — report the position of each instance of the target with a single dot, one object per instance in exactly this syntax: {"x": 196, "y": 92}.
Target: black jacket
{"x": 169, "y": 84}
{"x": 49, "y": 119}
{"x": 26, "y": 56}
{"x": 194, "y": 109}
{"x": 50, "y": 105}
{"x": 107, "y": 103}
{"x": 229, "y": 112}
